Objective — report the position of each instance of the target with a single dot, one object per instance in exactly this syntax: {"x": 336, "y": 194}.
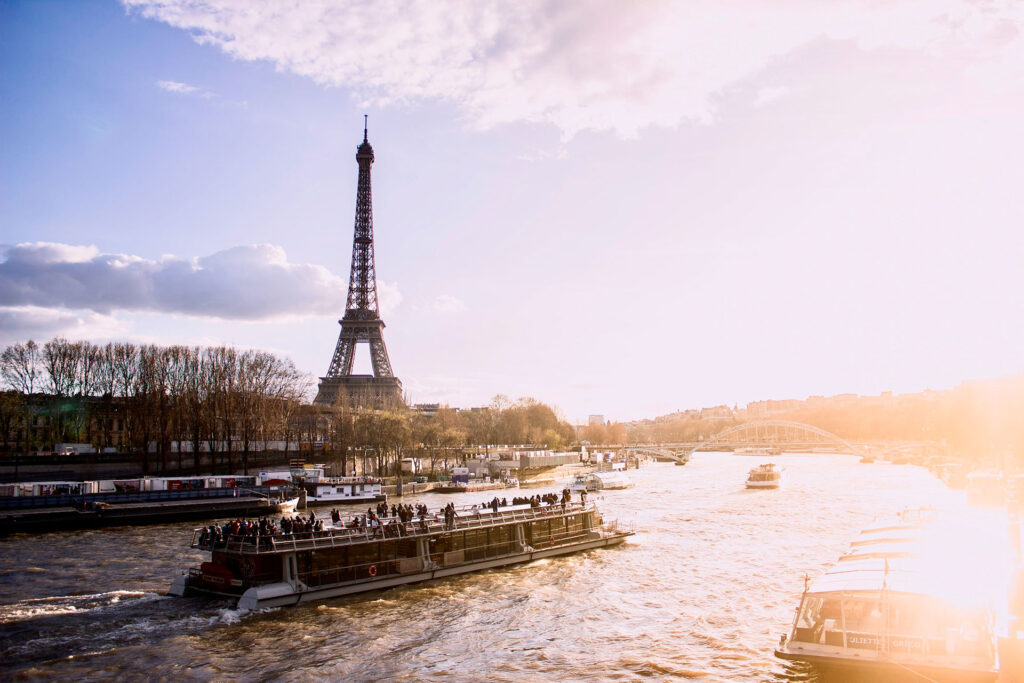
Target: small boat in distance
{"x": 342, "y": 490}
{"x": 601, "y": 481}
{"x": 764, "y": 477}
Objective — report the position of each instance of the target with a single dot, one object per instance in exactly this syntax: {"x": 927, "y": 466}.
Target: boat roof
{"x": 873, "y": 573}
{"x": 894, "y": 537}
{"x": 895, "y": 548}
{"x": 467, "y": 518}
{"x": 951, "y": 561}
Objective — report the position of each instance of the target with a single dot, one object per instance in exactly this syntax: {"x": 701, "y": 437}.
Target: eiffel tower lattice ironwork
{"x": 362, "y": 322}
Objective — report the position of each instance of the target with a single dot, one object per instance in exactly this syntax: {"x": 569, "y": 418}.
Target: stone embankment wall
{"x": 409, "y": 488}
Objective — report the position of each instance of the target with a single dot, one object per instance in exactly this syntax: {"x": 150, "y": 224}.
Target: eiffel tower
{"x": 362, "y": 323}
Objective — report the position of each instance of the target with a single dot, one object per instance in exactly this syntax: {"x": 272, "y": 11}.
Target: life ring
{"x": 372, "y": 571}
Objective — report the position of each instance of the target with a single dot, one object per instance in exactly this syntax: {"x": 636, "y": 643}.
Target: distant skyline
{"x": 627, "y": 211}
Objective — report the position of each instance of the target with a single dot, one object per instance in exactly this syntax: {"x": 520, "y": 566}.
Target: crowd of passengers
{"x": 549, "y": 499}
{"x": 381, "y": 522}
{"x": 215, "y": 536}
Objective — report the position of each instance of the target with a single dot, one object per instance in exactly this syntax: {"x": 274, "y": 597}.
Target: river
{"x": 703, "y": 590}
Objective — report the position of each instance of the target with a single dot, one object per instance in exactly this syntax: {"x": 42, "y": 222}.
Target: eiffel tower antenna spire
{"x": 361, "y": 322}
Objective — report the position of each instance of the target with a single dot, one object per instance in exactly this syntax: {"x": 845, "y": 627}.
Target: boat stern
{"x": 179, "y": 587}
{"x": 269, "y": 595}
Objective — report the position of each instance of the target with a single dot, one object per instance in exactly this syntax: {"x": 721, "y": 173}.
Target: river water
{"x": 703, "y": 590}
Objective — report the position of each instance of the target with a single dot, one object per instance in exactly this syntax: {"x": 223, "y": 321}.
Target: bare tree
{"x": 61, "y": 361}
{"x": 13, "y": 417}
{"x": 21, "y": 367}
{"x": 194, "y": 400}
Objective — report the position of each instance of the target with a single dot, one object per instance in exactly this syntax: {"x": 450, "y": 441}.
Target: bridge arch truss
{"x": 781, "y": 433}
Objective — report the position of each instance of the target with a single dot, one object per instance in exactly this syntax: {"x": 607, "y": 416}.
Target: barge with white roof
{"x": 348, "y": 558}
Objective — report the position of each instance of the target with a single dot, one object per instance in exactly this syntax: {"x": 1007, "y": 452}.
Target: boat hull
{"x": 284, "y": 594}
{"x": 871, "y": 667}
{"x": 763, "y": 484}
{"x": 344, "y": 500}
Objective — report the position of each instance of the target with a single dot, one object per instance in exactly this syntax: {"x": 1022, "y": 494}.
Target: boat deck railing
{"x": 336, "y": 536}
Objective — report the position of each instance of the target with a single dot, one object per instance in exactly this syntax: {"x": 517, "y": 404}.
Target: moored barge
{"x": 288, "y": 569}
{"x": 343, "y": 490}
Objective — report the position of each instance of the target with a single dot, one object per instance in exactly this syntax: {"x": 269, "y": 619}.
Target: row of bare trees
{"x": 182, "y": 402}
{"x": 129, "y": 397}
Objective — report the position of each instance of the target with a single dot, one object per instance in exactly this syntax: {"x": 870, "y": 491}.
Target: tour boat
{"x": 342, "y": 490}
{"x": 288, "y": 506}
{"x": 278, "y": 570}
{"x": 764, "y": 477}
{"x": 889, "y": 605}
{"x": 601, "y": 481}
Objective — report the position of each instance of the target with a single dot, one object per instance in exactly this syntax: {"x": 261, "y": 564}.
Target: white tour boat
{"x": 342, "y": 490}
{"x": 890, "y": 605}
{"x": 279, "y": 569}
{"x": 601, "y": 481}
{"x": 764, "y": 477}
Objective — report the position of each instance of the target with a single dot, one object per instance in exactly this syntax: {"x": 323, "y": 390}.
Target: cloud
{"x": 179, "y": 88}
{"x": 446, "y": 303}
{"x": 19, "y": 323}
{"x": 254, "y": 282}
{"x": 769, "y": 94}
{"x": 605, "y": 65}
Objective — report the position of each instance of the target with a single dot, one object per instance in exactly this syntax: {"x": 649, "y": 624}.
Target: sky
{"x": 615, "y": 208}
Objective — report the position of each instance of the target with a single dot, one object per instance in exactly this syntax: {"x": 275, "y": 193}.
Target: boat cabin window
{"x": 476, "y": 544}
{"x": 864, "y": 615}
{"x": 501, "y": 538}
{"x": 905, "y": 623}
{"x": 809, "y": 625}
{"x": 456, "y": 541}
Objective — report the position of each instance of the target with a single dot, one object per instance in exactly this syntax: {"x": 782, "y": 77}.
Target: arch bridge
{"x": 781, "y": 434}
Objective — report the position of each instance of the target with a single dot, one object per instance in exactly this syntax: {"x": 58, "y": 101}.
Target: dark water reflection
{"x": 704, "y": 590}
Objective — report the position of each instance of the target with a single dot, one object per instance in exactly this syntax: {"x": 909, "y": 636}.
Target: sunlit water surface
{"x": 704, "y": 590}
